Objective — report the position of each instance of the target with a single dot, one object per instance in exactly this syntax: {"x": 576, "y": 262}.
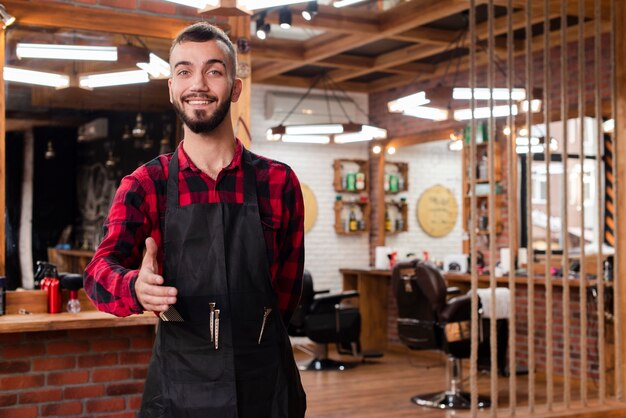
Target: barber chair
{"x": 427, "y": 320}
{"x": 323, "y": 319}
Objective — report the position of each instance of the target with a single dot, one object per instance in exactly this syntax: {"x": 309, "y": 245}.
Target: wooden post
{"x": 620, "y": 164}
{"x": 240, "y": 111}
{"x": 377, "y": 202}
{"x": 2, "y": 158}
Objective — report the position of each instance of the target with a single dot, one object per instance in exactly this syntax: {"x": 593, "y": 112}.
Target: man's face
{"x": 200, "y": 88}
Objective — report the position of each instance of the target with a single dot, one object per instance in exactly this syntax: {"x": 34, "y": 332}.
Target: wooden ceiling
{"x": 361, "y": 48}
{"x": 369, "y": 50}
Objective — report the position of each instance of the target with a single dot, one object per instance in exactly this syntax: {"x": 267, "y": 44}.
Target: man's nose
{"x": 199, "y": 82}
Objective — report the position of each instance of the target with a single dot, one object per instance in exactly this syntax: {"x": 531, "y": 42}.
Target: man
{"x": 223, "y": 233}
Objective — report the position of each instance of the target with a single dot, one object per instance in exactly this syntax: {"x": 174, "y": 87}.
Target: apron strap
{"x": 172, "y": 181}
{"x": 249, "y": 179}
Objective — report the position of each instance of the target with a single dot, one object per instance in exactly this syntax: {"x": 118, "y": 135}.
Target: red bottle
{"x": 53, "y": 291}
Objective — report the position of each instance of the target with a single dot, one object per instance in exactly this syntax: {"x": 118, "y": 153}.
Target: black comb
{"x": 171, "y": 315}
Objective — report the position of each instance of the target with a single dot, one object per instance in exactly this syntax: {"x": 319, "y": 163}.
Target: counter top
{"x": 482, "y": 279}
{"x": 65, "y": 320}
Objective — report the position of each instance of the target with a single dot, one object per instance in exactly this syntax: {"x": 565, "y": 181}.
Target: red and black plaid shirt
{"x": 138, "y": 211}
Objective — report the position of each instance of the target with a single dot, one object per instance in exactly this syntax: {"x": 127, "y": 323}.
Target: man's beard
{"x": 202, "y": 124}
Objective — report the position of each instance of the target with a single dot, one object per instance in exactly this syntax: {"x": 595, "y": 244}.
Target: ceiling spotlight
{"x": 262, "y": 28}
{"x": 391, "y": 150}
{"x": 310, "y": 11}
{"x": 284, "y": 18}
{"x": 7, "y": 19}
{"x": 376, "y": 149}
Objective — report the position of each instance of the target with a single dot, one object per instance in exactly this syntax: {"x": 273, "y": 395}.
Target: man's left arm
{"x": 290, "y": 258}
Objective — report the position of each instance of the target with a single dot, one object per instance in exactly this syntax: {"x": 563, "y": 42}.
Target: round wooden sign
{"x": 437, "y": 211}
{"x": 310, "y": 207}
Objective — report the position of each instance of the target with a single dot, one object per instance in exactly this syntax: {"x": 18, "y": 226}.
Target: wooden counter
{"x": 374, "y": 297}
{"x": 66, "y": 320}
{"x": 34, "y": 302}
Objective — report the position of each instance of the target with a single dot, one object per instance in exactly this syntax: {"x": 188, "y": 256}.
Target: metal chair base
{"x": 318, "y": 364}
{"x": 449, "y": 400}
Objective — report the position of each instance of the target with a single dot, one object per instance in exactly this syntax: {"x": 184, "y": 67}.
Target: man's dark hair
{"x": 203, "y": 32}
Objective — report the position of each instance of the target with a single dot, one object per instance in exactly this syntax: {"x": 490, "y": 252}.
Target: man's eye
{"x": 183, "y": 72}
{"x": 214, "y": 72}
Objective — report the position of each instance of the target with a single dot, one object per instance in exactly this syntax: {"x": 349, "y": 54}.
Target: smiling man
{"x": 223, "y": 234}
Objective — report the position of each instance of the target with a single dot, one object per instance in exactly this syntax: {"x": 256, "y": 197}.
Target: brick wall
{"x": 86, "y": 372}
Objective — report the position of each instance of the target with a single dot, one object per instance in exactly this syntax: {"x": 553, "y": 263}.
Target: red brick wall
{"x": 86, "y": 372}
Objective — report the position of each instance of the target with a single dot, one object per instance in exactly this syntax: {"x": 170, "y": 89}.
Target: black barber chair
{"x": 322, "y": 318}
{"x": 427, "y": 320}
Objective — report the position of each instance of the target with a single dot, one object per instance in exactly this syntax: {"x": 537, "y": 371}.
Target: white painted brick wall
{"x": 326, "y": 252}
{"x": 429, "y": 164}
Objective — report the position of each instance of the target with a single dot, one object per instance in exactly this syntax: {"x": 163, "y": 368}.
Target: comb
{"x": 171, "y": 315}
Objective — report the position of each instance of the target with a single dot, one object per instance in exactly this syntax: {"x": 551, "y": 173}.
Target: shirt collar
{"x": 184, "y": 162}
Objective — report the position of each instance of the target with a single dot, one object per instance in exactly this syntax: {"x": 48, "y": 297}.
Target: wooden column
{"x": 2, "y": 158}
{"x": 240, "y": 111}
{"x": 620, "y": 164}
{"x": 377, "y": 202}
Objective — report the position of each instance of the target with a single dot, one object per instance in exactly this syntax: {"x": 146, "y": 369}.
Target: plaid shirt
{"x": 138, "y": 211}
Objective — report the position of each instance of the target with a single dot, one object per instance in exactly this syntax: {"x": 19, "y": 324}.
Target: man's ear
{"x": 169, "y": 87}
{"x": 236, "y": 91}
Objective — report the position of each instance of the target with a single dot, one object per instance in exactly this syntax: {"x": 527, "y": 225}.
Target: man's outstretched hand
{"x": 149, "y": 288}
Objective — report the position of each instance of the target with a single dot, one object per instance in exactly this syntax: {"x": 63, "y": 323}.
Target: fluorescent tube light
{"x": 534, "y": 149}
{"x": 39, "y": 78}
{"x": 367, "y": 133}
{"x": 424, "y": 112}
{"x": 535, "y": 105}
{"x": 113, "y": 79}
{"x": 608, "y": 126}
{"x": 263, "y": 4}
{"x": 67, "y": 52}
{"x": 482, "y": 93}
{"x": 523, "y": 141}
{"x": 306, "y": 139}
{"x": 324, "y": 129}
{"x": 157, "y": 67}
{"x": 403, "y": 103}
{"x": 484, "y": 112}
{"x": 344, "y": 3}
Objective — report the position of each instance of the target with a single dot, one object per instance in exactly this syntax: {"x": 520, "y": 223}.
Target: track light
{"x": 310, "y": 11}
{"x": 284, "y": 18}
{"x": 262, "y": 28}
{"x": 7, "y": 19}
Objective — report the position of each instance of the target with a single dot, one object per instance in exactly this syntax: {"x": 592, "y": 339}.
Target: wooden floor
{"x": 382, "y": 388}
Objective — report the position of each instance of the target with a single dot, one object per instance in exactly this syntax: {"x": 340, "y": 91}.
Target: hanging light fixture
{"x": 50, "y": 153}
{"x": 126, "y": 135}
{"x": 6, "y": 17}
{"x": 311, "y": 10}
{"x": 324, "y": 133}
{"x": 139, "y": 130}
{"x": 110, "y": 162}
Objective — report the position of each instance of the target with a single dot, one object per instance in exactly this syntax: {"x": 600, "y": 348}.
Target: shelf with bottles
{"x": 396, "y": 216}
{"x": 351, "y": 176}
{"x": 352, "y": 216}
{"x": 396, "y": 177}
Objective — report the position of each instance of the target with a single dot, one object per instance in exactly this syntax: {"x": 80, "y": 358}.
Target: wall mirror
{"x": 67, "y": 148}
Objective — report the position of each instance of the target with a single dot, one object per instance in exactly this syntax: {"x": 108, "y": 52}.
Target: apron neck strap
{"x": 249, "y": 180}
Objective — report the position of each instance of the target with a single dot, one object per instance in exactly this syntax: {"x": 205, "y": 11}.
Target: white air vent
{"x": 313, "y": 108}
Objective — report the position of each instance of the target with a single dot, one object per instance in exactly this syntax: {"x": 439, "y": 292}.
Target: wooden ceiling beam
{"x": 428, "y": 36}
{"x": 305, "y": 82}
{"x": 55, "y": 15}
{"x": 399, "y": 19}
{"x": 389, "y": 60}
{"x": 430, "y": 136}
{"x": 331, "y": 19}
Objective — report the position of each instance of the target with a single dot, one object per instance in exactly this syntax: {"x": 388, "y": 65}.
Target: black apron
{"x": 216, "y": 254}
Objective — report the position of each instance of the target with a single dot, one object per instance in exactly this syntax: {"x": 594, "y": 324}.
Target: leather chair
{"x": 323, "y": 319}
{"x": 427, "y": 320}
